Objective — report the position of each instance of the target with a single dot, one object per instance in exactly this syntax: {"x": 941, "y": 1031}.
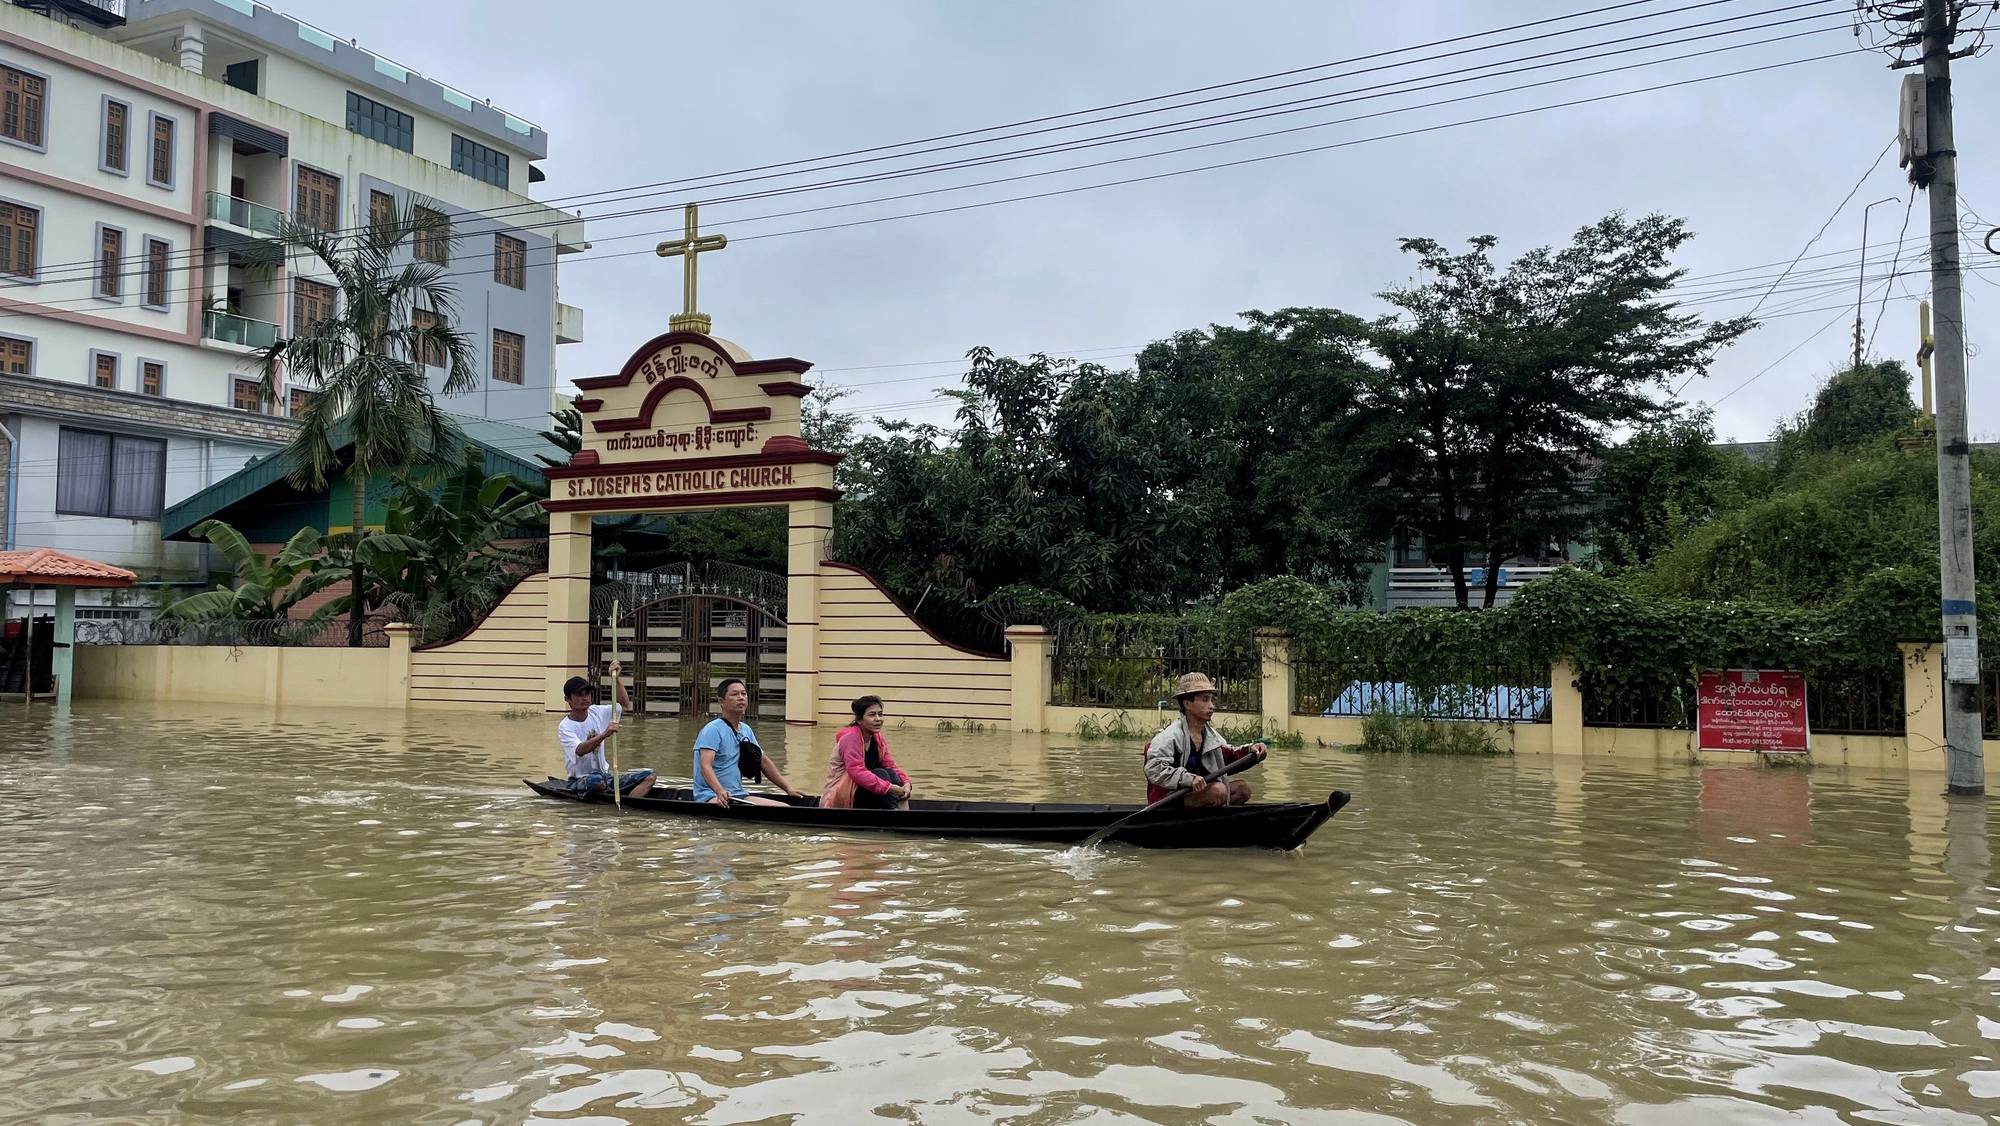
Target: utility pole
{"x": 1934, "y": 166}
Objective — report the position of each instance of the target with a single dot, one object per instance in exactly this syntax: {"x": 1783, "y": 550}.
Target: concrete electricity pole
{"x": 1934, "y": 166}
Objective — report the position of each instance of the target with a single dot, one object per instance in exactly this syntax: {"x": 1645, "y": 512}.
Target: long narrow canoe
{"x": 1281, "y": 825}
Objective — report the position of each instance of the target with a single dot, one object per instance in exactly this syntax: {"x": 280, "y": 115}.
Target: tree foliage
{"x": 266, "y": 587}
{"x": 1223, "y": 456}
{"x": 1650, "y": 491}
{"x": 1502, "y": 385}
{"x": 444, "y": 557}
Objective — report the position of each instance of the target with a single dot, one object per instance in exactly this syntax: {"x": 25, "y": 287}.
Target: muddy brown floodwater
{"x": 316, "y": 916}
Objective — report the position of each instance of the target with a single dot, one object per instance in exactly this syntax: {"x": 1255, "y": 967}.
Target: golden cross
{"x": 686, "y": 248}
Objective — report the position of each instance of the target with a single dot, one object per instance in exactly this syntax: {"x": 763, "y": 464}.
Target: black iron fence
{"x": 1851, "y": 702}
{"x": 1351, "y": 687}
{"x": 1989, "y": 701}
{"x": 319, "y": 633}
{"x": 1137, "y": 663}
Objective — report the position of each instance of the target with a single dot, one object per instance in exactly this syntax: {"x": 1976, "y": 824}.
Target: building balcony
{"x": 569, "y": 324}
{"x": 103, "y": 13}
{"x": 241, "y": 213}
{"x": 244, "y": 332}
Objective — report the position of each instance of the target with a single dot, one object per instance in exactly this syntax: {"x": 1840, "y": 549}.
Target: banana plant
{"x": 266, "y": 587}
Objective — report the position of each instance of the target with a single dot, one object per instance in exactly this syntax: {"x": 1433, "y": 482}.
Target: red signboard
{"x": 1751, "y": 710}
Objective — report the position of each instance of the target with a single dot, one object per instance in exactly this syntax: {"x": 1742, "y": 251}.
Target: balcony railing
{"x": 242, "y": 213}
{"x": 106, "y": 13}
{"x": 232, "y": 329}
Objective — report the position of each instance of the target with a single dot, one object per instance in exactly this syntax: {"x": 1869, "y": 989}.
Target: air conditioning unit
{"x": 1913, "y": 129}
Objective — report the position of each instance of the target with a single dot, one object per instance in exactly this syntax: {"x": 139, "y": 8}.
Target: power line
{"x": 1838, "y": 208}
{"x": 1094, "y": 115}
{"x": 1421, "y": 83}
{"x": 1155, "y": 176}
{"x": 1894, "y": 274}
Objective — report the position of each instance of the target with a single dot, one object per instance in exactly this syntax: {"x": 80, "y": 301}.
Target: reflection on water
{"x": 362, "y": 917}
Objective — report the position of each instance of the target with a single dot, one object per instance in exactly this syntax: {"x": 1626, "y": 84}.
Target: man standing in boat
{"x": 1180, "y": 757}
{"x": 726, "y": 752}
{"x": 582, "y": 734}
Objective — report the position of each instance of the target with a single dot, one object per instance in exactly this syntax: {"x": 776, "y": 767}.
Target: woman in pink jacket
{"x": 863, "y": 774}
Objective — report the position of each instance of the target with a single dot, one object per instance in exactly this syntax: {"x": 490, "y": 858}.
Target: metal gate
{"x": 674, "y": 650}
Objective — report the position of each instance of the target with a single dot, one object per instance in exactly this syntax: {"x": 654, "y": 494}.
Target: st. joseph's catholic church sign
{"x": 690, "y": 422}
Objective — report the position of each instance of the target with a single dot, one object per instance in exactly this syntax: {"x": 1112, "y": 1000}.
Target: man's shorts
{"x": 599, "y": 782}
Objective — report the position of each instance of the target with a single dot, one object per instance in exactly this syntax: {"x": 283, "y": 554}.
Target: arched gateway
{"x": 692, "y": 422}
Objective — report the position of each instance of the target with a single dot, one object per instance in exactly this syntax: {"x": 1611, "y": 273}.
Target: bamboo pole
{"x": 611, "y": 741}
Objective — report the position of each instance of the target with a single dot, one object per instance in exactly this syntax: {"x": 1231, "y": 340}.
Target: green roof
{"x": 507, "y": 449}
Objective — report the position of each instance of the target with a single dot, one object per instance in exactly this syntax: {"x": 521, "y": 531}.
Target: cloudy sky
{"x": 637, "y": 92}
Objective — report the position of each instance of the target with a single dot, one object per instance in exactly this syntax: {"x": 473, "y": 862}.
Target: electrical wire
{"x": 1251, "y": 113}
{"x": 1121, "y": 182}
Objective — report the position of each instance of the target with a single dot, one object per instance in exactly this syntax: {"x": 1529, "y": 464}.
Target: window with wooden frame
{"x": 430, "y": 353}
{"x": 152, "y": 377}
{"x": 20, "y": 230}
{"x": 509, "y": 350}
{"x": 17, "y": 356}
{"x": 104, "y": 370}
{"x": 158, "y": 251}
{"x": 110, "y": 263}
{"x": 117, "y": 153}
{"x": 24, "y": 106}
{"x": 381, "y": 209}
{"x": 510, "y": 261}
{"x": 244, "y": 396}
{"x": 317, "y": 199}
{"x": 299, "y": 398}
{"x": 312, "y": 302}
{"x": 433, "y": 243}
{"x": 160, "y": 170}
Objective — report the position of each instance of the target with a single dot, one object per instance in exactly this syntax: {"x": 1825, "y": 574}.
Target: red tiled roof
{"x": 44, "y": 566}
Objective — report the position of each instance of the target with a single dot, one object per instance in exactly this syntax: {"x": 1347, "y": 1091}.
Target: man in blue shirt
{"x": 720, "y": 751}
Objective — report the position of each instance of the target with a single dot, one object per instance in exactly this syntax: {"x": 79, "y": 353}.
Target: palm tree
{"x": 365, "y": 362}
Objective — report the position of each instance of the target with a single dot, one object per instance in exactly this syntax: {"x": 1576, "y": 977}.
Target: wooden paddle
{"x": 611, "y": 741}
{"x": 1244, "y": 763}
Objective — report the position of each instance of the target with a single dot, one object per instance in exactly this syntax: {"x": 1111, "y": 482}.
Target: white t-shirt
{"x": 571, "y": 733}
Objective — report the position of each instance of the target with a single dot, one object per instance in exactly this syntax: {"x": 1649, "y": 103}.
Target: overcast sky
{"x": 642, "y": 91}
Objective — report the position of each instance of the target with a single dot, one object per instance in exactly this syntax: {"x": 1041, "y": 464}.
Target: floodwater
{"x": 309, "y": 917}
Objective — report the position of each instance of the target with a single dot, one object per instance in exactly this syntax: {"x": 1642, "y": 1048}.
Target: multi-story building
{"x": 148, "y": 149}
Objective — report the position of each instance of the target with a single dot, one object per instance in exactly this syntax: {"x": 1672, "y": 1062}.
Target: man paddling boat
{"x": 1191, "y": 748}
{"x": 726, "y": 752}
{"x": 582, "y": 734}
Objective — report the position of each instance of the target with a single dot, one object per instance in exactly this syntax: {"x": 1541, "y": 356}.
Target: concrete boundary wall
{"x": 870, "y": 645}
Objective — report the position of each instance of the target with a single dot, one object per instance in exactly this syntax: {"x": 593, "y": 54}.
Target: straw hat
{"x": 1192, "y": 683}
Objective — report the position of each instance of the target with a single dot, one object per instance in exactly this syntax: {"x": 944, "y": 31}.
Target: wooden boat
{"x": 1281, "y": 825}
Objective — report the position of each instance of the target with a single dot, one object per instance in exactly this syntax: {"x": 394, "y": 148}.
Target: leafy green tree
{"x": 442, "y": 557}
{"x": 1501, "y": 386}
{"x": 266, "y": 588}
{"x": 1859, "y": 406}
{"x": 1224, "y": 456}
{"x": 365, "y": 364}
{"x": 1665, "y": 480}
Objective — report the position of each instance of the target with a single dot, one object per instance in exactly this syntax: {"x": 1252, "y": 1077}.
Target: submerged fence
{"x": 1136, "y": 663}
{"x": 1865, "y": 701}
{"x": 1357, "y": 687}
